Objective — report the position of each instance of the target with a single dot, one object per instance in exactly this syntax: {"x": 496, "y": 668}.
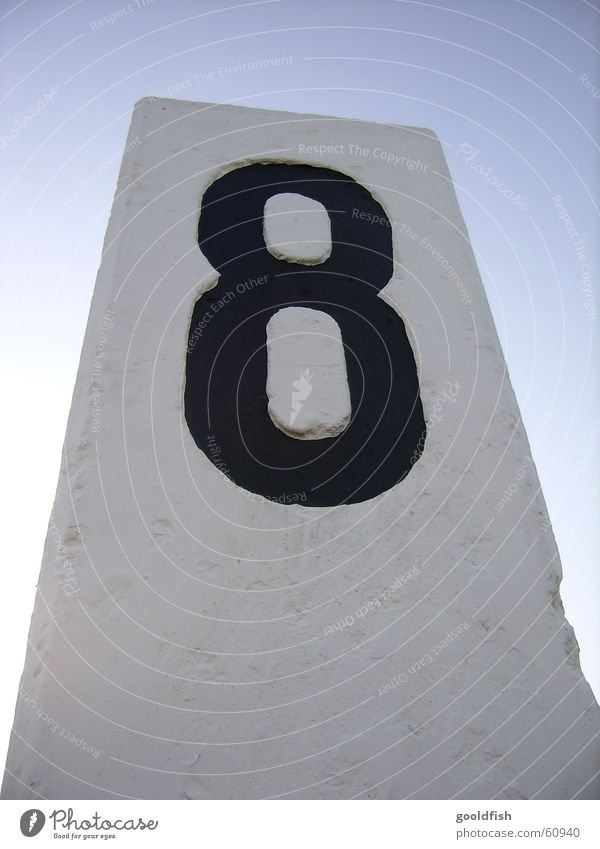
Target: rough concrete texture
{"x": 206, "y": 643}
{"x": 307, "y": 384}
{"x": 297, "y": 228}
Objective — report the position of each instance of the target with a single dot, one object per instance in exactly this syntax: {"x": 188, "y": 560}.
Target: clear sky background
{"x": 511, "y": 88}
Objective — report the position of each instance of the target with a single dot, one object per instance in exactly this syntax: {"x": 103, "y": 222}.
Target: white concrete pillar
{"x": 196, "y": 638}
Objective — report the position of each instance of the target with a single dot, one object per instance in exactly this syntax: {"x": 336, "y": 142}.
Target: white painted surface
{"x": 208, "y": 644}
{"x": 297, "y": 229}
{"x": 307, "y": 384}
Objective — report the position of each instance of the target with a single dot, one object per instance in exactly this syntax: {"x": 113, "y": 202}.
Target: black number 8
{"x": 225, "y": 394}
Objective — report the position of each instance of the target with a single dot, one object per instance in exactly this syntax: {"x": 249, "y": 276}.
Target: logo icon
{"x": 302, "y": 388}
{"x": 32, "y": 822}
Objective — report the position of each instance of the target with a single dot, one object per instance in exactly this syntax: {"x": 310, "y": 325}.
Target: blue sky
{"x": 511, "y": 88}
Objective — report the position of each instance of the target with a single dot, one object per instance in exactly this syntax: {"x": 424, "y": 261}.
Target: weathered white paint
{"x": 208, "y": 644}
{"x": 307, "y": 384}
{"x": 297, "y": 229}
